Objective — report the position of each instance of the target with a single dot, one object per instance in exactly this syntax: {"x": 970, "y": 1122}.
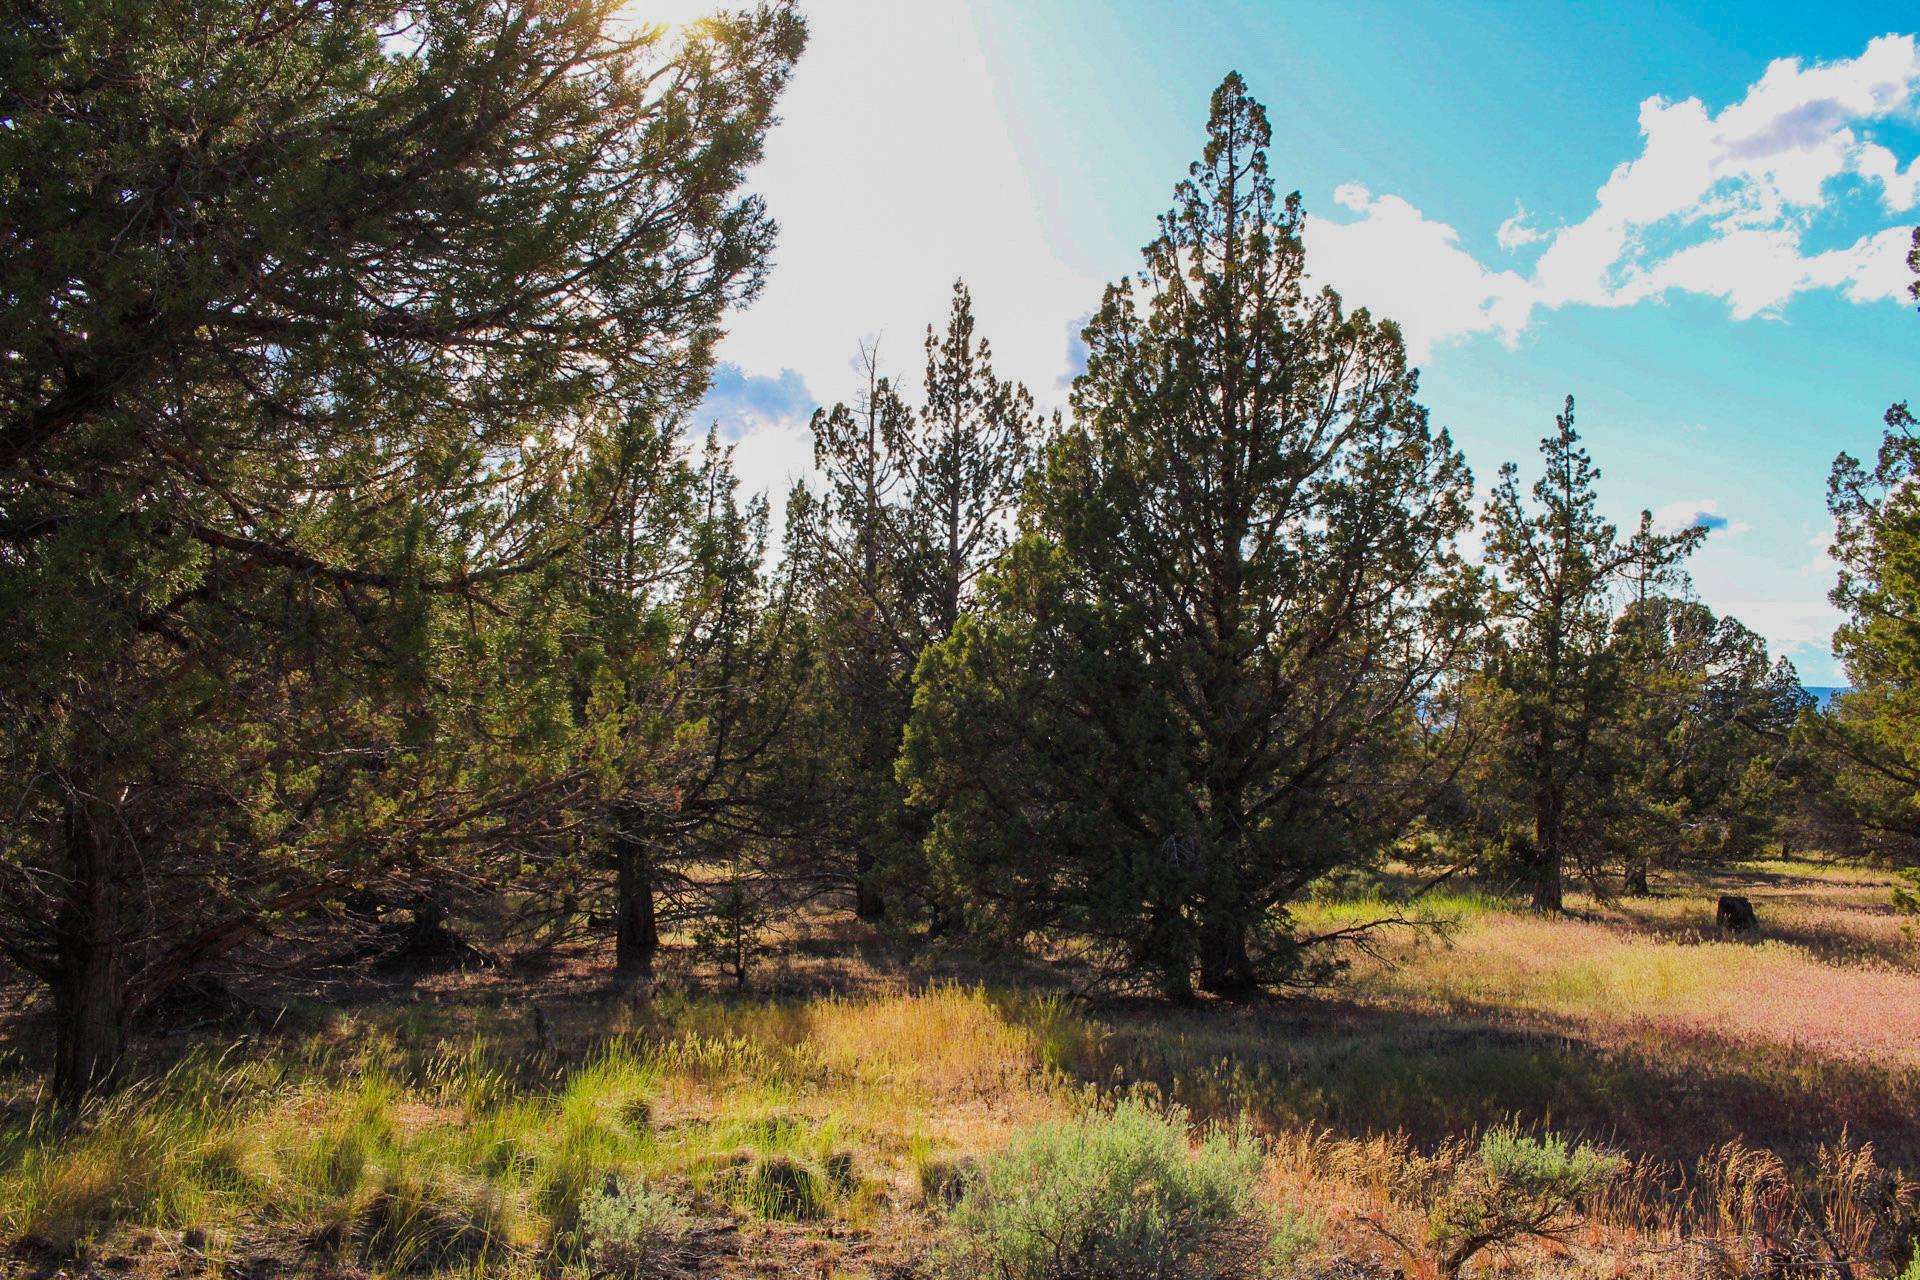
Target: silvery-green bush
{"x": 1120, "y": 1195}
{"x": 632, "y": 1233}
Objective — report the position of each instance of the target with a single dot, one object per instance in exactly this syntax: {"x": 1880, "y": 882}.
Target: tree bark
{"x": 1548, "y": 822}
{"x": 1547, "y": 892}
{"x": 868, "y": 905}
{"x": 1225, "y": 967}
{"x": 1634, "y": 883}
{"x": 92, "y": 1004}
{"x": 636, "y": 927}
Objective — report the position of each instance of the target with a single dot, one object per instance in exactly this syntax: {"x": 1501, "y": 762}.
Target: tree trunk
{"x": 868, "y": 905}
{"x": 1547, "y": 895}
{"x": 1634, "y": 882}
{"x": 91, "y": 1001}
{"x": 636, "y": 928}
{"x": 1226, "y": 969}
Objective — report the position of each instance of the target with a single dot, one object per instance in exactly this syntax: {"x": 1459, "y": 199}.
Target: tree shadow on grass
{"x": 1359, "y": 1070}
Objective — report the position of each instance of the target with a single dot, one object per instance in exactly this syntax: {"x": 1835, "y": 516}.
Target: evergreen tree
{"x": 1870, "y": 736}
{"x": 633, "y": 569}
{"x": 1873, "y": 730}
{"x": 1198, "y": 682}
{"x": 917, "y": 503}
{"x": 313, "y": 311}
{"x": 1563, "y": 573}
{"x": 1698, "y": 749}
{"x": 855, "y": 541}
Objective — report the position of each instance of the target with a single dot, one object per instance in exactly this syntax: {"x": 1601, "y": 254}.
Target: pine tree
{"x": 1697, "y": 750}
{"x": 1870, "y": 736}
{"x": 918, "y": 503}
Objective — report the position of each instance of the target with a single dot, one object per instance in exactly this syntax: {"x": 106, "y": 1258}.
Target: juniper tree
{"x": 1698, "y": 743}
{"x": 1868, "y": 737}
{"x": 312, "y": 309}
{"x": 632, "y": 571}
{"x": 1197, "y": 684}
{"x": 917, "y": 502}
{"x": 1562, "y": 574}
{"x": 854, "y": 541}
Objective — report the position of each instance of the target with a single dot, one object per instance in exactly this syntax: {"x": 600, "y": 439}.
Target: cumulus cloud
{"x": 770, "y": 457}
{"x": 1515, "y": 234}
{"x": 1717, "y": 204}
{"x": 908, "y": 91}
{"x": 1696, "y": 513}
{"x": 1402, "y": 264}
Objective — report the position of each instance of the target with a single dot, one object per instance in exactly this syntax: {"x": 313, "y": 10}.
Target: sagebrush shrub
{"x": 632, "y": 1233}
{"x": 1113, "y": 1196}
{"x": 1513, "y": 1186}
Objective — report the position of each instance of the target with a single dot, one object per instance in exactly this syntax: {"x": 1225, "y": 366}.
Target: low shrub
{"x": 632, "y": 1233}
{"x": 1112, "y": 1196}
{"x": 1508, "y": 1187}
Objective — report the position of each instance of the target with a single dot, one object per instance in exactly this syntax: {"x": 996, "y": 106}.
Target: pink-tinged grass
{"x": 1832, "y": 973}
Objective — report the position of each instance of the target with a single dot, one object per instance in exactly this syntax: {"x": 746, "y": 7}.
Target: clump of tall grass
{"x": 1848, "y": 1209}
{"x": 1116, "y": 1194}
{"x": 947, "y": 1039}
{"x": 782, "y": 1186}
{"x": 172, "y": 1153}
{"x": 454, "y": 1167}
{"x": 432, "y": 1219}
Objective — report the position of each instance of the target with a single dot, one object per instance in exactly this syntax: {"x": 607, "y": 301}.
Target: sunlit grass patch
{"x": 170, "y": 1153}
{"x": 947, "y": 1039}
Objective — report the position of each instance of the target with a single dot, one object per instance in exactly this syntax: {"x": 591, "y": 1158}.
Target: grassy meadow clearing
{"x": 1752, "y": 1096}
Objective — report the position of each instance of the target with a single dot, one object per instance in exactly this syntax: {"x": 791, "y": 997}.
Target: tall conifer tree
{"x": 1564, "y": 573}
{"x": 1198, "y": 684}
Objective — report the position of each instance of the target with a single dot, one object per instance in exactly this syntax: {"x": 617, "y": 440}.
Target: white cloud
{"x": 1900, "y": 188}
{"x": 1515, "y": 234}
{"x": 1404, "y": 266}
{"x": 1690, "y": 513}
{"x": 1757, "y": 271}
{"x": 768, "y": 458}
{"x": 1798, "y": 628}
{"x": 1719, "y": 205}
{"x": 892, "y": 172}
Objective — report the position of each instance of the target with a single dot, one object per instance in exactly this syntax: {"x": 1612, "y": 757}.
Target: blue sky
{"x": 1692, "y": 218}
